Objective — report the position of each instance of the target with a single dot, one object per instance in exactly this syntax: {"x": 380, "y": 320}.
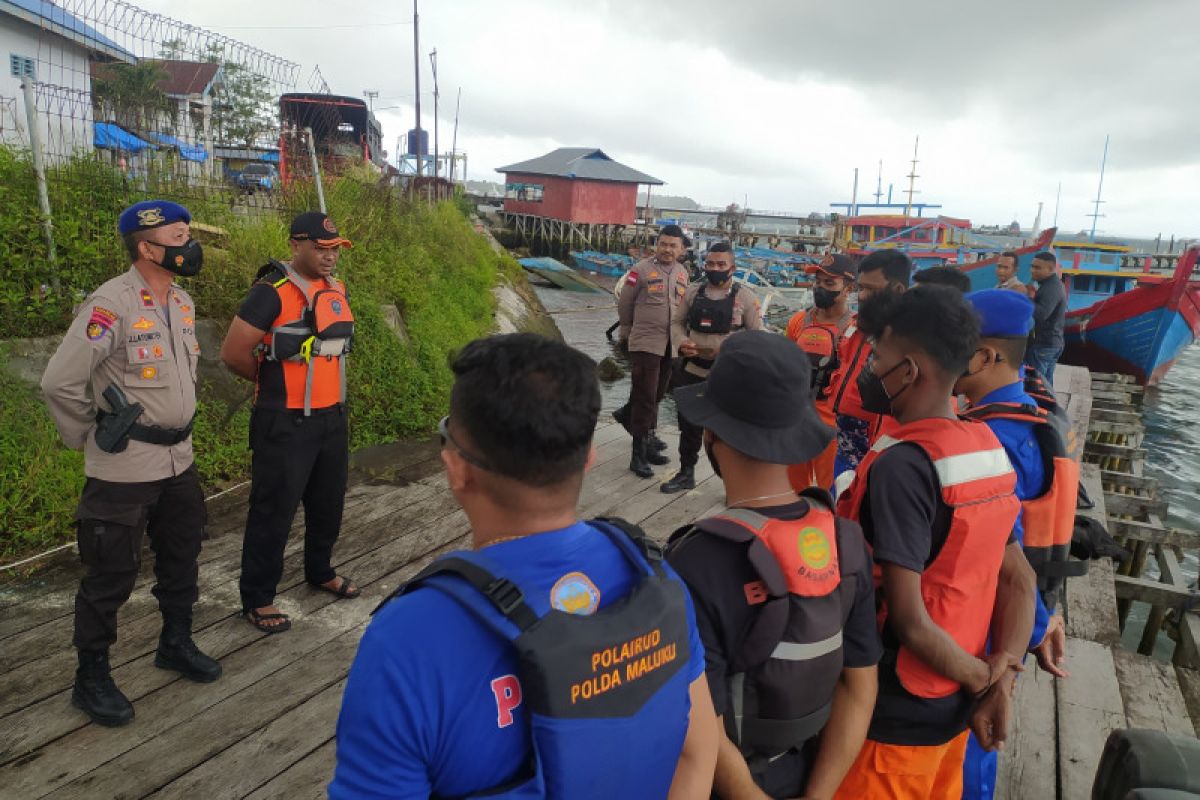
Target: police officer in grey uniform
{"x": 122, "y": 388}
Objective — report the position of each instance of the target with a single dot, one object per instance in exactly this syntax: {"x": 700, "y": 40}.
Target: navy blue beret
{"x": 1003, "y": 312}
{"x": 151, "y": 214}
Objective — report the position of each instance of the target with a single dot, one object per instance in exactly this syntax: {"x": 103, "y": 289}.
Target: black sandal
{"x": 260, "y": 621}
{"x": 342, "y": 589}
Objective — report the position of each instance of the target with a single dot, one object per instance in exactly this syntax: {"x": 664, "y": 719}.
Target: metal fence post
{"x": 312, "y": 153}
{"x": 39, "y": 169}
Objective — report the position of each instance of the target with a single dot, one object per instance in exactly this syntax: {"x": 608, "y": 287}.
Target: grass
{"x": 426, "y": 260}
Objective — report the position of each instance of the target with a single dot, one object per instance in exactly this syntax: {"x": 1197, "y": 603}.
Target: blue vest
{"x": 607, "y": 693}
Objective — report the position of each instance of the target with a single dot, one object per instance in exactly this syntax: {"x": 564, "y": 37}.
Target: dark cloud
{"x": 1061, "y": 74}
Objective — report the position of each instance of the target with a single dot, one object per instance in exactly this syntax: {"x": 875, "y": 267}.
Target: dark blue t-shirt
{"x": 432, "y": 703}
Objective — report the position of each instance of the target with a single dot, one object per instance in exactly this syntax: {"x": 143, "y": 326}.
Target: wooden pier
{"x": 1060, "y": 726}
{"x": 266, "y": 728}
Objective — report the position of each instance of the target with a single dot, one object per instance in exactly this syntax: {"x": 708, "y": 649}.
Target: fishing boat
{"x": 983, "y": 271}
{"x": 1141, "y": 327}
{"x": 611, "y": 264}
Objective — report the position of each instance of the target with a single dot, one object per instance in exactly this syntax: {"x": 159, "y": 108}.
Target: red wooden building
{"x": 574, "y": 184}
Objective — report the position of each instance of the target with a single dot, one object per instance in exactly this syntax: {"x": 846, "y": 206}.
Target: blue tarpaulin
{"x": 108, "y": 136}
{"x": 189, "y": 152}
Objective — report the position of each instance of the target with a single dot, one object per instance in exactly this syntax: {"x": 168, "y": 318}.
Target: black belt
{"x": 153, "y": 434}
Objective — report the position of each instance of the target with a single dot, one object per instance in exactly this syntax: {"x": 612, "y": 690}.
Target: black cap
{"x": 317, "y": 227}
{"x": 838, "y": 265}
{"x": 757, "y": 400}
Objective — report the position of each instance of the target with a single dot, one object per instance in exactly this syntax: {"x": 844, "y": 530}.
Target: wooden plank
{"x": 1028, "y": 766}
{"x": 1186, "y": 653}
{"x": 1089, "y": 708}
{"x": 1112, "y": 415}
{"x": 1146, "y": 590}
{"x": 1189, "y": 685}
{"x": 1119, "y": 504}
{"x": 258, "y": 758}
{"x": 1120, "y": 450}
{"x": 1091, "y": 605}
{"x": 1151, "y": 693}
{"x": 305, "y": 780}
{"x": 1109, "y": 477}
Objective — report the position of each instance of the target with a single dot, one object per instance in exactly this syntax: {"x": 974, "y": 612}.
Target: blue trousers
{"x": 1044, "y": 359}
{"x": 979, "y": 771}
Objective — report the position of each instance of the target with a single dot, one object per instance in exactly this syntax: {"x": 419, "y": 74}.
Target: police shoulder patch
{"x": 574, "y": 593}
{"x": 100, "y": 322}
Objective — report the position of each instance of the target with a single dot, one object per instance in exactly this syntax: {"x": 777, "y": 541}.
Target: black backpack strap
{"x": 503, "y": 594}
{"x": 649, "y": 549}
{"x": 272, "y": 267}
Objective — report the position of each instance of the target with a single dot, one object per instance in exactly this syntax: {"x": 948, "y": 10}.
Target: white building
{"x": 44, "y": 43}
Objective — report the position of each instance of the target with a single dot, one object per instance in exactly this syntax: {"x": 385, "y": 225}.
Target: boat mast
{"x": 1095, "y": 215}
{"x": 912, "y": 179}
{"x": 854, "y": 195}
{"x": 879, "y": 183}
{"x": 1057, "y": 199}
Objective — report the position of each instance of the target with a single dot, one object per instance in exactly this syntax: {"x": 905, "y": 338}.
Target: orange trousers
{"x": 903, "y": 772}
{"x": 818, "y": 471}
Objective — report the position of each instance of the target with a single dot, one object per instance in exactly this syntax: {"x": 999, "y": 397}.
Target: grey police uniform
{"x": 122, "y": 336}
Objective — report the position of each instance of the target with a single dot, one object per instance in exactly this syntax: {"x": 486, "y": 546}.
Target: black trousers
{"x": 296, "y": 459}
{"x": 649, "y": 376}
{"x": 691, "y": 437}
{"x": 111, "y": 520}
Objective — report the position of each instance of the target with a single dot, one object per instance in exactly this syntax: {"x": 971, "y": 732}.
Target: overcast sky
{"x": 778, "y": 101}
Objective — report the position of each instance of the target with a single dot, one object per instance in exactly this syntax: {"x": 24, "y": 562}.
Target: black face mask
{"x": 875, "y": 397}
{"x": 712, "y": 460}
{"x": 824, "y": 298}
{"x": 184, "y": 260}
{"x": 716, "y": 277}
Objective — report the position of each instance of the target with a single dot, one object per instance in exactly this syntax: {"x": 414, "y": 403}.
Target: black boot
{"x": 177, "y": 651}
{"x": 96, "y": 694}
{"x": 655, "y": 444}
{"x": 637, "y": 463}
{"x": 653, "y": 456}
{"x": 684, "y": 480}
{"x": 621, "y": 415}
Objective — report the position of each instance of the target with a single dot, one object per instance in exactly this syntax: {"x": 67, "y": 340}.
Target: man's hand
{"x": 1052, "y": 652}
{"x": 991, "y": 668}
{"x": 989, "y": 720}
{"x": 688, "y": 349}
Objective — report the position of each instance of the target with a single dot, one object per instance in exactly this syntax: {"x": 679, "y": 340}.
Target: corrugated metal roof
{"x": 586, "y": 163}
{"x": 49, "y": 16}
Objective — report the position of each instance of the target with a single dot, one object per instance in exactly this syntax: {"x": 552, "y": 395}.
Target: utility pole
{"x": 436, "y": 150}
{"x": 417, "y": 82}
{"x": 370, "y": 95}
{"x": 454, "y": 139}
{"x": 912, "y": 178}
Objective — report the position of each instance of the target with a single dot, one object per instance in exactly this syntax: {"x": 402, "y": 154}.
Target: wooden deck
{"x": 265, "y": 729}
{"x": 1061, "y": 725}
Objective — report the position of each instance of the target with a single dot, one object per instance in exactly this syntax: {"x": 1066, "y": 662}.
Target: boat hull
{"x": 1140, "y": 332}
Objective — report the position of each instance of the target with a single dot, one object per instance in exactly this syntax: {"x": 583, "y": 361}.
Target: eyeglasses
{"x": 475, "y": 461}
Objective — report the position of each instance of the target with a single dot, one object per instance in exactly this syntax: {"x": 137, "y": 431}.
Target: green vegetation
{"x": 426, "y": 260}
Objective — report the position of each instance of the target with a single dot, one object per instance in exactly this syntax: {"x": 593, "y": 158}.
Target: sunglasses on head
{"x": 473, "y": 460}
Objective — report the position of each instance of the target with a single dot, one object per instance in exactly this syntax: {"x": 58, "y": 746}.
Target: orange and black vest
{"x": 1049, "y": 519}
{"x": 782, "y": 679}
{"x": 977, "y": 482}
{"x": 843, "y": 385}
{"x": 820, "y": 341}
{"x": 310, "y": 338}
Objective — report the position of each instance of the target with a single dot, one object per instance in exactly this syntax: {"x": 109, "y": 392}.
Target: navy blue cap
{"x": 151, "y": 214}
{"x": 1003, "y": 313}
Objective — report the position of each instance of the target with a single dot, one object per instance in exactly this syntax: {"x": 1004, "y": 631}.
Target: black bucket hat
{"x": 757, "y": 400}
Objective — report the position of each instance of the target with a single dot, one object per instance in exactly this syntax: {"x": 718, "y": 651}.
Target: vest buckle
{"x": 504, "y": 595}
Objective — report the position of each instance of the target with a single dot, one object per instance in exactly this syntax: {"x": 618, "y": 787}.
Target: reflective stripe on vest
{"x": 1049, "y": 518}
{"x": 959, "y": 586}
{"x": 294, "y": 342}
{"x": 791, "y": 654}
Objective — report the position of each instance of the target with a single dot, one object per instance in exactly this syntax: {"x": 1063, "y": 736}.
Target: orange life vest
{"x": 959, "y": 587}
{"x": 310, "y": 338}
{"x": 783, "y": 675}
{"x": 843, "y": 383}
{"x": 820, "y": 340}
{"x": 1049, "y": 519}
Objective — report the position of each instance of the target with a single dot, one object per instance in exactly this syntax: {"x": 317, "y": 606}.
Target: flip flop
{"x": 342, "y": 589}
{"x": 260, "y": 621}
